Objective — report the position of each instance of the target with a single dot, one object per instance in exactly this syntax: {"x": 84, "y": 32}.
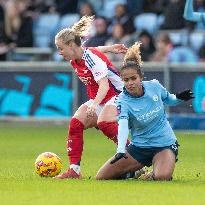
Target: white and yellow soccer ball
{"x": 48, "y": 164}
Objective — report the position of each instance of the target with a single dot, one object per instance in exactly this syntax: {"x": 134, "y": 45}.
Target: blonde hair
{"x": 132, "y": 59}
{"x": 77, "y": 31}
{"x": 133, "y": 54}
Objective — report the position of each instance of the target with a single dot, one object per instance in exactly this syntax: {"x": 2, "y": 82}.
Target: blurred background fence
{"x": 43, "y": 90}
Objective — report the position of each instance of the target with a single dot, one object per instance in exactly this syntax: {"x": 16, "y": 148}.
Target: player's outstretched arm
{"x": 189, "y": 13}
{"x": 115, "y": 48}
{"x": 178, "y": 98}
{"x": 185, "y": 95}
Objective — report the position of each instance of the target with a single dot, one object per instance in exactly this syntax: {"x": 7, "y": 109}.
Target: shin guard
{"x": 75, "y": 141}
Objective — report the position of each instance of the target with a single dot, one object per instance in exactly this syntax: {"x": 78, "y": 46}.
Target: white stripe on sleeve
{"x": 123, "y": 132}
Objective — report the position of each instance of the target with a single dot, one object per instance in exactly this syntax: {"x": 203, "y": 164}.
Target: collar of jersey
{"x": 80, "y": 63}
{"x": 132, "y": 96}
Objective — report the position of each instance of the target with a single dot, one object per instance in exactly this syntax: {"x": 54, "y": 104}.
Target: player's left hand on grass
{"x": 119, "y": 48}
{"x": 185, "y": 95}
{"x": 118, "y": 156}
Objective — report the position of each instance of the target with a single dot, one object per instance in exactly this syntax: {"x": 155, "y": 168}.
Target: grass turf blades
{"x": 19, "y": 184}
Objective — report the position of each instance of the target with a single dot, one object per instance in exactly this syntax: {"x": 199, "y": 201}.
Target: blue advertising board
{"x": 38, "y": 94}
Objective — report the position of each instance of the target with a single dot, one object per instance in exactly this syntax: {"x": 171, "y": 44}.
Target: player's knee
{"x": 164, "y": 176}
{"x": 99, "y": 177}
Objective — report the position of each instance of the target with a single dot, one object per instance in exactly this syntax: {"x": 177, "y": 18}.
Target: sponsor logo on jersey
{"x": 85, "y": 80}
{"x": 149, "y": 115}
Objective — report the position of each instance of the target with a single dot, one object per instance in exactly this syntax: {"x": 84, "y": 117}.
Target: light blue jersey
{"x": 146, "y": 115}
{"x": 190, "y": 15}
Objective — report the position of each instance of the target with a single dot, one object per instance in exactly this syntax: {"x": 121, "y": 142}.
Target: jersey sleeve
{"x": 123, "y": 124}
{"x": 122, "y": 109}
{"x": 123, "y": 132}
{"x": 96, "y": 65}
{"x": 167, "y": 98}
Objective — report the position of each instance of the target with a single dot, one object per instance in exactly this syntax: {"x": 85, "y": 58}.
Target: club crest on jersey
{"x": 85, "y": 71}
{"x": 155, "y": 98}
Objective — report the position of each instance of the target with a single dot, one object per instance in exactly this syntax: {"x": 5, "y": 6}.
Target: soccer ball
{"x": 48, "y": 164}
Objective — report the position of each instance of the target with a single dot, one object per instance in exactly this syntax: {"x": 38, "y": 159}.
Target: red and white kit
{"x": 92, "y": 67}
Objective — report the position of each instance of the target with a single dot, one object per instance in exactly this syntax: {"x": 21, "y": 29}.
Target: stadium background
{"x": 36, "y": 83}
{"x": 38, "y": 93}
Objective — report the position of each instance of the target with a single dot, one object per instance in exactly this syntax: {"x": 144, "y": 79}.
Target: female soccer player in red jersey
{"x": 102, "y": 82}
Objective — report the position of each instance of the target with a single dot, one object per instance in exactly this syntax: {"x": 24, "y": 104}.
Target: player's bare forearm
{"x": 102, "y": 91}
{"x": 115, "y": 48}
{"x": 103, "y": 49}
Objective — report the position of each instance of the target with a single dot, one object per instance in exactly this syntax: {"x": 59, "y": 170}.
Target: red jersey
{"x": 94, "y": 66}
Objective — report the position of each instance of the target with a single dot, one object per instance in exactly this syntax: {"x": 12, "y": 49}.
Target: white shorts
{"x": 100, "y": 107}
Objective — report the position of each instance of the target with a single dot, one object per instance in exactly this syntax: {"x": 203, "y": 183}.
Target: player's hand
{"x": 185, "y": 95}
{"x": 118, "y": 48}
{"x": 118, "y": 156}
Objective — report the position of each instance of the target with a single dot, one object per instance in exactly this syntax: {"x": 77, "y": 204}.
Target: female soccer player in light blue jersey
{"x": 190, "y": 15}
{"x": 141, "y": 110}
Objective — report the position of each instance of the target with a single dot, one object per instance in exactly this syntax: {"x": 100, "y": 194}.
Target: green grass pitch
{"x": 19, "y": 185}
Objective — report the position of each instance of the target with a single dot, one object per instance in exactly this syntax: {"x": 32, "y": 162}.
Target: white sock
{"x": 75, "y": 167}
